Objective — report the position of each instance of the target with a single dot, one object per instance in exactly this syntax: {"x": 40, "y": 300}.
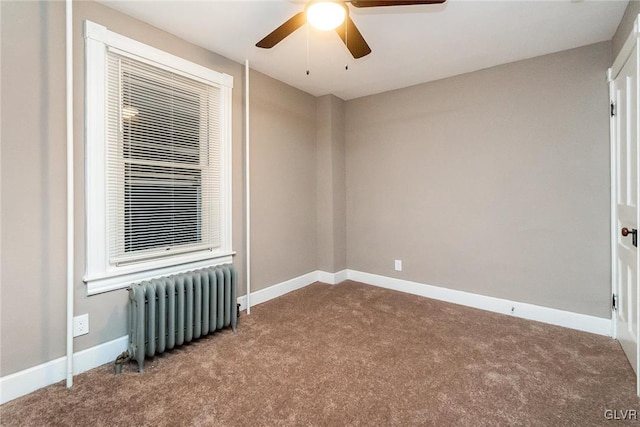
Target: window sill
{"x": 97, "y": 284}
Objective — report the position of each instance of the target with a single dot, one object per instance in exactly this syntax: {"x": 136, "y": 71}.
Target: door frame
{"x": 631, "y": 44}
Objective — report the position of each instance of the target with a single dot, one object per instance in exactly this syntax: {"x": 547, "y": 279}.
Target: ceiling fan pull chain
{"x": 346, "y": 43}
{"x": 308, "y": 50}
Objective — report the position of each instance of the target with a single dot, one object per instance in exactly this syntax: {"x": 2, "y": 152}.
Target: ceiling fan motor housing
{"x": 336, "y": 13}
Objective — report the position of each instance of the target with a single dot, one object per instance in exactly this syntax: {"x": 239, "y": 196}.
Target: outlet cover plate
{"x": 81, "y": 325}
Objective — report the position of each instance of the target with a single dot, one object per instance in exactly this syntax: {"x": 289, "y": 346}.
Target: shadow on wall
{"x": 44, "y": 264}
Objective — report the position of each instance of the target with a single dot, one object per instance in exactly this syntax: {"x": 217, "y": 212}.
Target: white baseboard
{"x": 24, "y": 382}
{"x": 29, "y": 380}
{"x": 299, "y": 282}
{"x": 279, "y": 289}
{"x": 332, "y": 278}
{"x": 581, "y": 322}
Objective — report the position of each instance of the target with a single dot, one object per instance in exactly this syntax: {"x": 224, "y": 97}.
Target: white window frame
{"x": 101, "y": 275}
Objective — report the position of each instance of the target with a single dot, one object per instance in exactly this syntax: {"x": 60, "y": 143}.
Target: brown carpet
{"x": 353, "y": 354}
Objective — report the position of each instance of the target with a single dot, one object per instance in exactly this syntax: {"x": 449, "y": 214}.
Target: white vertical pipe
{"x": 247, "y": 190}
{"x": 70, "y": 200}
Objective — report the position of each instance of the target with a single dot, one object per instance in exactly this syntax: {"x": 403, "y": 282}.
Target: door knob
{"x": 634, "y": 235}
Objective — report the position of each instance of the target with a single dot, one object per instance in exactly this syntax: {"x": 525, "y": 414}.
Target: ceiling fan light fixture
{"x": 326, "y": 15}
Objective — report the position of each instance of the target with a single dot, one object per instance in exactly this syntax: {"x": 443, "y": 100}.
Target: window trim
{"x": 100, "y": 275}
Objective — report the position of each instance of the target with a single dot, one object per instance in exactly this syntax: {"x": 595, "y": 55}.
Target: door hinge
{"x": 614, "y": 302}
{"x": 613, "y": 109}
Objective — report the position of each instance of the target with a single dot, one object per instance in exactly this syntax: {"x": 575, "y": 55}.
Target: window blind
{"x": 162, "y": 160}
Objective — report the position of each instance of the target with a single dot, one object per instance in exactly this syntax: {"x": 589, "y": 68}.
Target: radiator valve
{"x": 121, "y": 360}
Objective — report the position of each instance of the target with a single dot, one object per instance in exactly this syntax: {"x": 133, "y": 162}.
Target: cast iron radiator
{"x": 170, "y": 311}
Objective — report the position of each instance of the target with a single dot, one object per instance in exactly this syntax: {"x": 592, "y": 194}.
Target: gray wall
{"x": 33, "y": 277}
{"x": 494, "y": 182}
{"x": 626, "y": 25}
{"x": 33, "y": 235}
{"x": 283, "y": 182}
{"x": 330, "y": 169}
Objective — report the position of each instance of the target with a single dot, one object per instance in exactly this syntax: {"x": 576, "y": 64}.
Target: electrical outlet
{"x": 398, "y": 265}
{"x": 81, "y": 325}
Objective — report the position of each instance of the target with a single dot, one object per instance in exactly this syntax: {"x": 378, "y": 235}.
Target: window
{"x": 158, "y": 162}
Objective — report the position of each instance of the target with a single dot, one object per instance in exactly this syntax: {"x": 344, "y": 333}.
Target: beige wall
{"x": 330, "y": 170}
{"x": 626, "y": 25}
{"x": 494, "y": 182}
{"x": 32, "y": 180}
{"x": 283, "y": 182}
{"x": 33, "y": 278}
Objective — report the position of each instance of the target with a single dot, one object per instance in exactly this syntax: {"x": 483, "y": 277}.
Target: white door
{"x": 625, "y": 165}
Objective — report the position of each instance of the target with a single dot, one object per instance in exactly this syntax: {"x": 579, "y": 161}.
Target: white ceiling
{"x": 410, "y": 44}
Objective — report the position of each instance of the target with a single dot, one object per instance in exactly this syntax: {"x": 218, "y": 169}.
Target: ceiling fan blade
{"x": 378, "y": 3}
{"x": 280, "y": 33}
{"x": 352, "y": 38}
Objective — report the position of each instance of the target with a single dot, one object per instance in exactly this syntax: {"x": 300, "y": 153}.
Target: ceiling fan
{"x": 334, "y": 15}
